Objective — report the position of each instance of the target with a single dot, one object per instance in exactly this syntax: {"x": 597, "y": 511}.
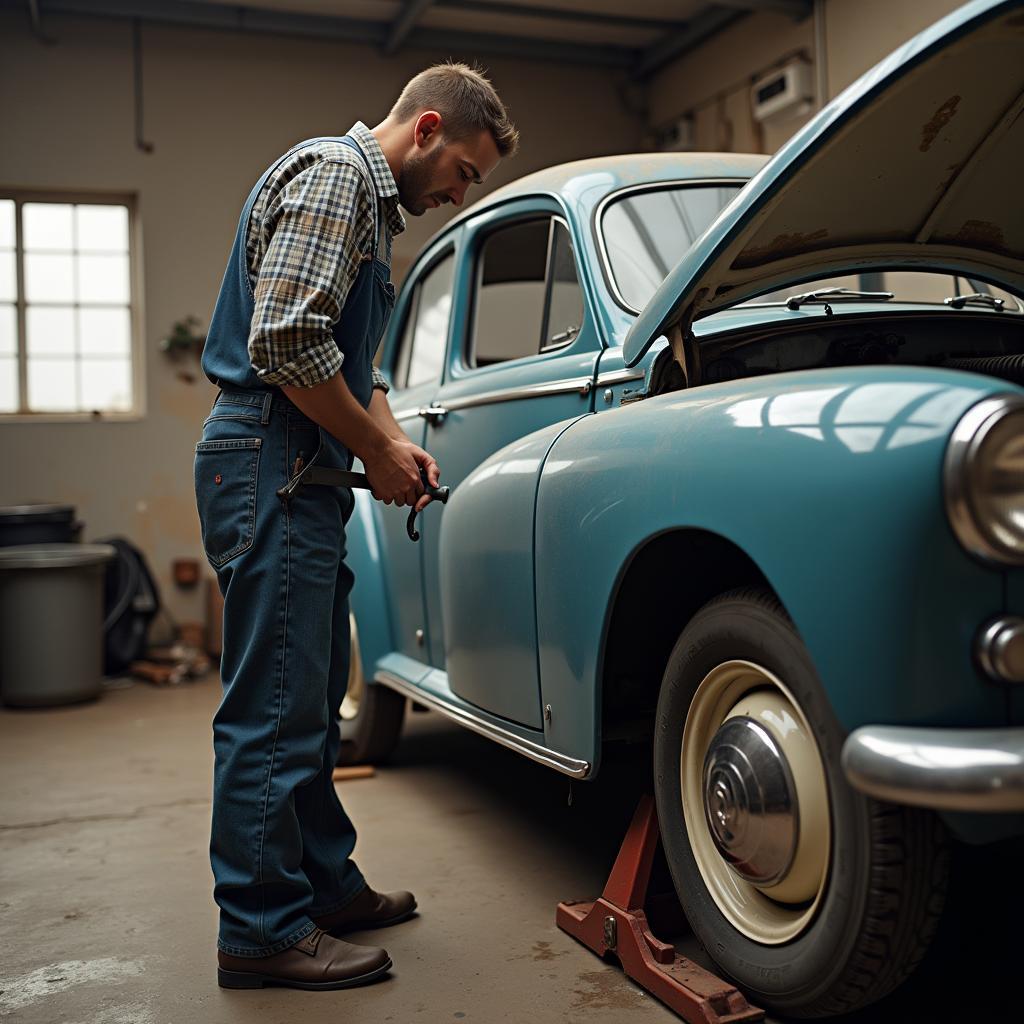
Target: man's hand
{"x": 391, "y": 460}
{"x": 394, "y": 473}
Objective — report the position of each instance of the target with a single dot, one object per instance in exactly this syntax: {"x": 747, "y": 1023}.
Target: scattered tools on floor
{"x": 168, "y": 666}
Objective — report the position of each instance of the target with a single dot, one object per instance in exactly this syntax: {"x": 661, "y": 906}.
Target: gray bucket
{"x": 51, "y": 623}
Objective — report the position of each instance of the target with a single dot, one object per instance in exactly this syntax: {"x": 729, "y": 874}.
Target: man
{"x": 302, "y": 307}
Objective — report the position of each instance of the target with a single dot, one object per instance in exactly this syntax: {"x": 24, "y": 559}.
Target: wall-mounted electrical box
{"x": 678, "y": 137}
{"x": 785, "y": 92}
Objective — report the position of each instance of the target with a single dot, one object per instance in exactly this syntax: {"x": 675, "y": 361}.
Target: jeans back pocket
{"x": 226, "y": 473}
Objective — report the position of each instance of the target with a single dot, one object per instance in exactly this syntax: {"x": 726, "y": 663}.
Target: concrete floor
{"x": 106, "y": 915}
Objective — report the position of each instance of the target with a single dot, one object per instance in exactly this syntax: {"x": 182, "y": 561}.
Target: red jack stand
{"x": 617, "y": 922}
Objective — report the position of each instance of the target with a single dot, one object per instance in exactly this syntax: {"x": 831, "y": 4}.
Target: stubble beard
{"x": 414, "y": 181}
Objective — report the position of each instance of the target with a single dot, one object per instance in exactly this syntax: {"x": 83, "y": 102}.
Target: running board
{"x": 542, "y": 755}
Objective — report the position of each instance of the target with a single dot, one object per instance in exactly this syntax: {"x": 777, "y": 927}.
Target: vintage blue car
{"x": 736, "y": 450}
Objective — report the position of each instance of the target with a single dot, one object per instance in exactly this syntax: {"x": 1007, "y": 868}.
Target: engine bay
{"x": 991, "y": 344}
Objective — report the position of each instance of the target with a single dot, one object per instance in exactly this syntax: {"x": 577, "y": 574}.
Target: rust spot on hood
{"x": 941, "y": 117}
{"x": 779, "y": 247}
{"x": 981, "y": 234}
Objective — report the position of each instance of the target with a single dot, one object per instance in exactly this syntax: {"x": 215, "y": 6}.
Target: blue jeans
{"x": 281, "y": 842}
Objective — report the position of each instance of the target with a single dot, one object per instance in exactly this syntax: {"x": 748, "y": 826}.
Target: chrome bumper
{"x": 945, "y": 769}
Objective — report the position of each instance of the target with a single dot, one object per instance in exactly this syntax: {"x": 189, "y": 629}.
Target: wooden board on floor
{"x": 355, "y": 771}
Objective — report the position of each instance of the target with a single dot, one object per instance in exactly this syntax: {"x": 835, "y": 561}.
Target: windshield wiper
{"x": 828, "y": 295}
{"x": 975, "y": 299}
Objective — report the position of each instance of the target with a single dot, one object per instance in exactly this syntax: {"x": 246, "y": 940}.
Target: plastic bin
{"x": 51, "y": 623}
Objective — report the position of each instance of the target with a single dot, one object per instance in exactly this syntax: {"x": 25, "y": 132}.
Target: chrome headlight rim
{"x": 965, "y": 442}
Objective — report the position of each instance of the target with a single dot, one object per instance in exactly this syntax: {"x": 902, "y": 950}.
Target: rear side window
{"x": 528, "y": 298}
{"x": 421, "y": 355}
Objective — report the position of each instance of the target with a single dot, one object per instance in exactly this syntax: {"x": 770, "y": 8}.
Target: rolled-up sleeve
{"x": 379, "y": 380}
{"x": 321, "y": 224}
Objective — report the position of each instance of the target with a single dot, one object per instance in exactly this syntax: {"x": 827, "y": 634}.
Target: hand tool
{"x": 326, "y": 477}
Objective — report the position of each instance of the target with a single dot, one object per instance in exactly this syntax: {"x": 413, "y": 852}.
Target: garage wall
{"x": 218, "y": 108}
{"x": 712, "y": 84}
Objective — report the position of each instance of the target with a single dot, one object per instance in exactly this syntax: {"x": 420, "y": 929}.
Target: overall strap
{"x": 378, "y": 223}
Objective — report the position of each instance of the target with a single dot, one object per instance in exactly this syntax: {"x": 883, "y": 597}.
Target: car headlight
{"x": 984, "y": 479}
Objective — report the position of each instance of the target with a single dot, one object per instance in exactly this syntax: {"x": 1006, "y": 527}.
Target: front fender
{"x": 369, "y": 598}
{"x": 830, "y": 481}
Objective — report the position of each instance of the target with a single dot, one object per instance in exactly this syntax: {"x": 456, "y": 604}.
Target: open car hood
{"x": 918, "y": 164}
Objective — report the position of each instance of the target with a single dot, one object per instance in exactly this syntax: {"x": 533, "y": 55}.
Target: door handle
{"x": 434, "y": 413}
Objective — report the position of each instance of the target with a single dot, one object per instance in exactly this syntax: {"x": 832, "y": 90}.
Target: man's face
{"x": 440, "y": 170}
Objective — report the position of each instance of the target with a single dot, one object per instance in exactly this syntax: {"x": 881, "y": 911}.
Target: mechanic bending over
{"x": 302, "y": 307}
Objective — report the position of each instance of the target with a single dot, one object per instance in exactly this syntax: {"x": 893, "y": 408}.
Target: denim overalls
{"x": 281, "y": 842}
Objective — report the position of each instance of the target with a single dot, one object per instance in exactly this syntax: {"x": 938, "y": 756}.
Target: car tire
{"x": 371, "y": 716}
{"x": 856, "y": 906}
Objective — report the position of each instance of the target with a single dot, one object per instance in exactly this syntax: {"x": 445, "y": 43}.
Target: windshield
{"x": 647, "y": 233}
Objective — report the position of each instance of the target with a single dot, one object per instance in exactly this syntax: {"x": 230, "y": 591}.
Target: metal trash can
{"x": 51, "y": 623}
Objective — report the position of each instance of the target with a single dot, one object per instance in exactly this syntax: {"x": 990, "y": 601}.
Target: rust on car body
{"x": 941, "y": 117}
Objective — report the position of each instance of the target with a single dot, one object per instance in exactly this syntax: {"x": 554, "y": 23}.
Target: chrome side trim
{"x": 551, "y": 758}
{"x": 581, "y": 385}
{"x": 606, "y": 380}
{"x": 407, "y": 414}
{"x": 944, "y": 769}
{"x": 651, "y": 186}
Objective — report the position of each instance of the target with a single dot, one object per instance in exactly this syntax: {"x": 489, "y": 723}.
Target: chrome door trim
{"x": 606, "y": 380}
{"x": 651, "y": 186}
{"x": 582, "y": 385}
{"x": 542, "y": 755}
{"x": 407, "y": 414}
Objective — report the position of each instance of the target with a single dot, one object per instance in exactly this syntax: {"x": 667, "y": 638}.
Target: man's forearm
{"x": 380, "y": 412}
{"x": 334, "y": 407}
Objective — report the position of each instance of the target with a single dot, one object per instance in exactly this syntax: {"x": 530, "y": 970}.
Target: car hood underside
{"x": 918, "y": 164}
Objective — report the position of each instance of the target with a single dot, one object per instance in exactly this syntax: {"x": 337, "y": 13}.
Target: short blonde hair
{"x": 466, "y": 101}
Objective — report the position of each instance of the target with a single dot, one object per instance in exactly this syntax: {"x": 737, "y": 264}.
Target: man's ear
{"x": 428, "y": 125}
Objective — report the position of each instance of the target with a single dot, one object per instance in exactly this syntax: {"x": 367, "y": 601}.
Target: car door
{"x": 523, "y": 355}
{"x": 413, "y": 360}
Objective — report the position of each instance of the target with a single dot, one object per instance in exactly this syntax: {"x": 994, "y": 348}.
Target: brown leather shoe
{"x": 369, "y": 910}
{"x": 315, "y": 962}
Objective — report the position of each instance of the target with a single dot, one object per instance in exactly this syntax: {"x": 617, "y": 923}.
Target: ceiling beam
{"x": 706, "y": 24}
{"x": 577, "y": 17}
{"x": 230, "y": 17}
{"x": 795, "y": 9}
{"x": 411, "y": 12}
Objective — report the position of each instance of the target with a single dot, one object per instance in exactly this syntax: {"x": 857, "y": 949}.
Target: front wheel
{"x": 371, "y": 716}
{"x": 814, "y": 899}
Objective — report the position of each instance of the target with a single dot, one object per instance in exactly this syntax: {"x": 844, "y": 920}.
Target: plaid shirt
{"x": 311, "y": 227}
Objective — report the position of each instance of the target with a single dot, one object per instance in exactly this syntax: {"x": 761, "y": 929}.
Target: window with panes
{"x": 66, "y": 305}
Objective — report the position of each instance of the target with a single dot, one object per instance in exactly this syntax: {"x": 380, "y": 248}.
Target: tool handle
{"x": 440, "y": 494}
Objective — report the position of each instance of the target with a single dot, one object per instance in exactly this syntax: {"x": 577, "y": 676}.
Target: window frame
{"x": 400, "y": 380}
{"x": 136, "y": 320}
{"x": 623, "y": 193}
{"x": 467, "y": 348}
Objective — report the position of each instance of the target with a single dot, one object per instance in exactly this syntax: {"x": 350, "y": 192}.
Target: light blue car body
{"x": 581, "y": 531}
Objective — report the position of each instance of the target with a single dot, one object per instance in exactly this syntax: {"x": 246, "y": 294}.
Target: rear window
{"x": 647, "y": 233}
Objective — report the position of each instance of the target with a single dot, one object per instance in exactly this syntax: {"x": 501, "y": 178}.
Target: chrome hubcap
{"x": 755, "y": 802}
{"x": 750, "y": 802}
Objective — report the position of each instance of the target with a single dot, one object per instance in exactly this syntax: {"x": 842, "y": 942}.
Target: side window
{"x": 565, "y": 301}
{"x": 528, "y": 298}
{"x": 421, "y": 355}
